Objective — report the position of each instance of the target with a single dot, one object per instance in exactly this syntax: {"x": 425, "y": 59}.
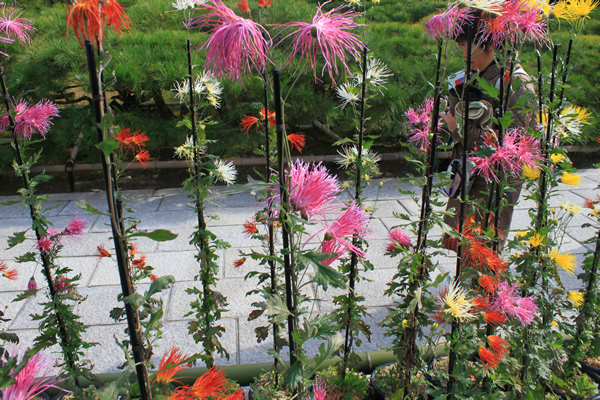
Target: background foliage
{"x": 151, "y": 57}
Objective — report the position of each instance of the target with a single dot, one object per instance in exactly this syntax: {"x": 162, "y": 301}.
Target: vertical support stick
{"x": 133, "y": 321}
{"x": 283, "y": 193}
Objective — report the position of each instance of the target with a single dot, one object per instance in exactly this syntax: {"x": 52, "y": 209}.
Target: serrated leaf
{"x": 326, "y": 351}
{"x": 25, "y": 295}
{"x": 135, "y": 300}
{"x": 108, "y": 146}
{"x": 84, "y": 205}
{"x": 488, "y": 89}
{"x": 159, "y": 285}
{"x": 9, "y": 337}
{"x": 159, "y": 235}
{"x": 15, "y": 239}
{"x": 27, "y": 257}
{"x": 324, "y": 274}
{"x": 277, "y": 308}
{"x": 293, "y": 376}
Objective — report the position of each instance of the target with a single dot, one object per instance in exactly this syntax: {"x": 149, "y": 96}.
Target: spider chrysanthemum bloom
{"x": 210, "y": 384}
{"x": 581, "y": 9}
{"x": 166, "y": 372}
{"x": 76, "y": 227}
{"x": 577, "y": 298}
{"x": 565, "y": 261}
{"x": 376, "y": 74}
{"x": 250, "y": 228}
{"x": 488, "y": 283}
{"x": 491, "y": 6}
{"x": 12, "y": 274}
{"x": 419, "y": 125}
{"x": 312, "y": 189}
{"x": 352, "y": 223}
{"x": 33, "y": 379}
{"x": 235, "y": 46}
{"x": 101, "y": 252}
{"x": 489, "y": 359}
{"x": 448, "y": 24}
{"x": 30, "y": 120}
{"x": 498, "y": 345}
{"x": 13, "y": 26}
{"x": 297, "y": 141}
{"x": 455, "y": 303}
{"x": 143, "y": 157}
{"x": 369, "y": 160}
{"x": 348, "y": 93}
{"x": 329, "y": 35}
{"x": 225, "y": 171}
{"x": 570, "y": 179}
{"x": 88, "y": 18}
{"x": 397, "y": 240}
{"x": 509, "y": 302}
{"x": 114, "y": 16}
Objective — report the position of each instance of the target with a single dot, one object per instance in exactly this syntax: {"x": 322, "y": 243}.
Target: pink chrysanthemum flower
{"x": 312, "y": 189}
{"x": 76, "y": 227}
{"x": 45, "y": 244}
{"x": 397, "y": 240}
{"x": 448, "y": 24}
{"x": 419, "y": 125}
{"x": 509, "y": 302}
{"x": 518, "y": 149}
{"x": 236, "y": 45}
{"x": 352, "y": 223}
{"x": 13, "y": 26}
{"x": 29, "y": 120}
{"x": 329, "y": 35}
{"x": 32, "y": 284}
{"x": 33, "y": 379}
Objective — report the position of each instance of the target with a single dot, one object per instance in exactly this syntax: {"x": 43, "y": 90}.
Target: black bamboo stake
{"x": 133, "y": 321}
{"x": 566, "y": 72}
{"x": 47, "y": 267}
{"x": 463, "y": 197}
{"x": 270, "y": 228}
{"x": 348, "y": 339}
{"x": 290, "y": 289}
{"x": 540, "y": 87}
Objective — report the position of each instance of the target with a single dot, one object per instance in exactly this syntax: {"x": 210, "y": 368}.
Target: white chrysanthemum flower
{"x": 370, "y": 160}
{"x": 182, "y": 5}
{"x": 354, "y": 3}
{"x": 186, "y": 150}
{"x": 377, "y": 74}
{"x": 455, "y": 303}
{"x": 225, "y": 171}
{"x": 183, "y": 90}
{"x": 491, "y": 6}
{"x": 349, "y": 93}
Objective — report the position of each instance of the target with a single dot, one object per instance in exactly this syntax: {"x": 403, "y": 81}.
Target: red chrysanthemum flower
{"x": 488, "y": 358}
{"x": 143, "y": 157}
{"x": 248, "y": 122}
{"x": 114, "y": 16}
{"x": 11, "y": 274}
{"x": 237, "y": 395}
{"x": 153, "y": 277}
{"x": 481, "y": 302}
{"x": 166, "y": 373}
{"x": 297, "y": 141}
{"x": 494, "y": 318}
{"x": 239, "y": 262}
{"x": 488, "y": 283}
{"x": 88, "y": 17}
{"x": 250, "y": 228}
{"x": 498, "y": 345}
{"x": 209, "y": 385}
{"x": 265, "y": 3}
{"x": 102, "y": 252}
{"x": 140, "y": 262}
{"x": 243, "y": 6}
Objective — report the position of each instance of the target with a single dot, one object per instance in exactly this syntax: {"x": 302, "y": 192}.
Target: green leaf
{"x": 107, "y": 122}
{"x": 159, "y": 235}
{"x": 9, "y": 337}
{"x": 487, "y": 88}
{"x": 324, "y": 274}
{"x": 84, "y": 205}
{"x": 159, "y": 285}
{"x": 9, "y": 203}
{"x": 119, "y": 386}
{"x": 135, "y": 300}
{"x": 108, "y": 146}
{"x": 293, "y": 376}
{"x": 27, "y": 257}
{"x": 25, "y": 295}
{"x": 277, "y": 308}
{"x": 15, "y": 239}
{"x": 326, "y": 351}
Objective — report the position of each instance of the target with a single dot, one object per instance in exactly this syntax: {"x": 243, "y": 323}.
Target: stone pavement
{"x": 168, "y": 209}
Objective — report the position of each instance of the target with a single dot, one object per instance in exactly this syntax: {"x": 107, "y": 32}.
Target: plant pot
{"x": 591, "y": 371}
{"x": 377, "y": 392}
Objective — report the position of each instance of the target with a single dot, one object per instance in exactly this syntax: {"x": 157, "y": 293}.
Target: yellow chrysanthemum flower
{"x": 579, "y": 113}
{"x": 536, "y": 240}
{"x": 405, "y": 323}
{"x": 595, "y": 213}
{"x": 554, "y": 323}
{"x": 531, "y": 173}
{"x": 565, "y": 261}
{"x": 557, "y": 158}
{"x": 576, "y": 298}
{"x": 581, "y": 9}
{"x": 575, "y": 209}
{"x": 561, "y": 11}
{"x": 521, "y": 233}
{"x": 570, "y": 179}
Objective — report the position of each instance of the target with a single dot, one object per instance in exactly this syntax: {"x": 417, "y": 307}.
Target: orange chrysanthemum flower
{"x": 297, "y": 141}
{"x": 139, "y": 139}
{"x": 88, "y": 18}
{"x": 243, "y": 6}
{"x": 250, "y": 228}
{"x": 140, "y": 262}
{"x": 270, "y": 116}
{"x": 209, "y": 385}
{"x": 494, "y": 318}
{"x": 237, "y": 395}
{"x": 102, "y": 252}
{"x": 248, "y": 122}
{"x": 265, "y": 3}
{"x": 166, "y": 373}
{"x": 11, "y": 274}
{"x": 481, "y": 302}
{"x": 587, "y": 203}
{"x": 488, "y": 358}
{"x": 239, "y": 262}
{"x": 143, "y": 157}
{"x": 479, "y": 256}
{"x": 498, "y": 345}
{"x": 153, "y": 277}
{"x": 488, "y": 283}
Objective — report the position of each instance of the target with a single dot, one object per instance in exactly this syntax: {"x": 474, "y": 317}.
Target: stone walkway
{"x": 168, "y": 209}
